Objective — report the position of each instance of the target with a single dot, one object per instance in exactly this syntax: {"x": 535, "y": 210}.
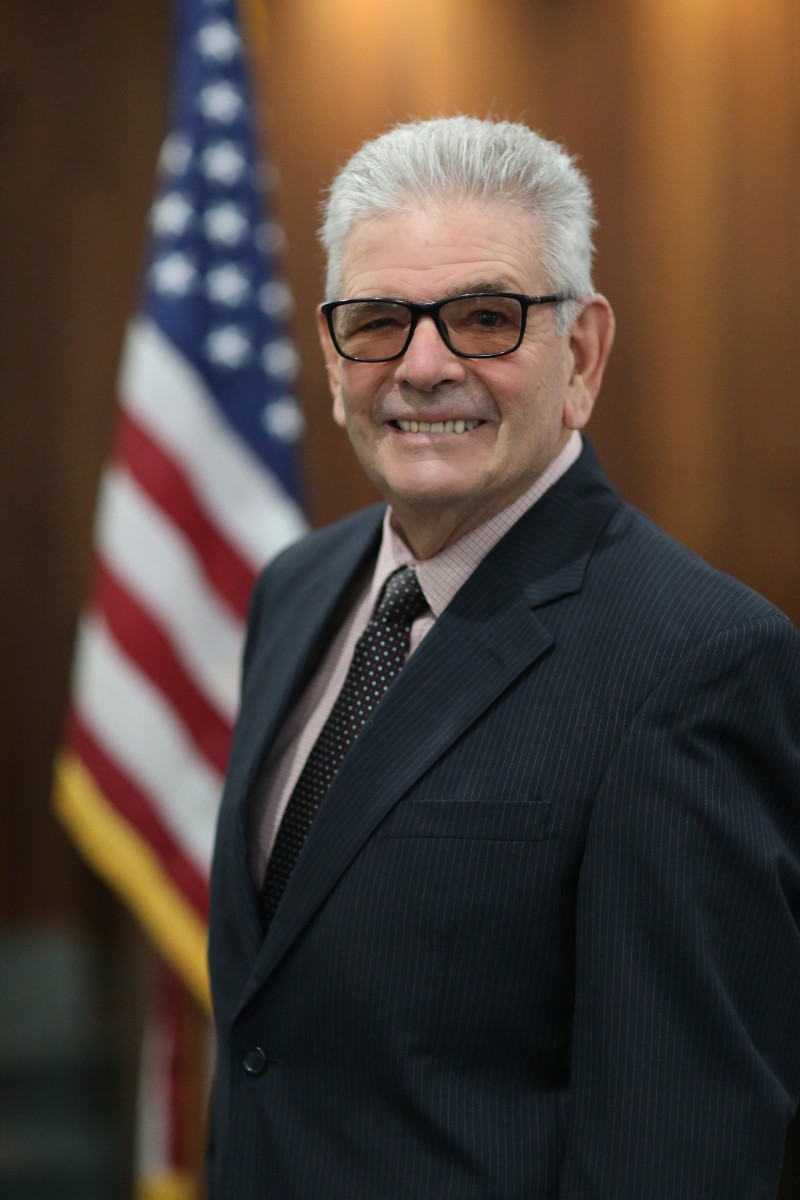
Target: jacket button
{"x": 255, "y": 1061}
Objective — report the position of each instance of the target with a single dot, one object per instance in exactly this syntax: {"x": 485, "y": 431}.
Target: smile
{"x": 458, "y": 426}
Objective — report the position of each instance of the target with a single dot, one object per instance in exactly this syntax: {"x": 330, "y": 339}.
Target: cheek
{"x": 356, "y": 388}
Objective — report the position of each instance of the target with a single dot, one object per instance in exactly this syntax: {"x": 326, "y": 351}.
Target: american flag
{"x": 201, "y": 490}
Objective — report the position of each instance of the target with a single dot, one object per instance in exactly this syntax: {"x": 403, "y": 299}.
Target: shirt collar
{"x": 442, "y": 575}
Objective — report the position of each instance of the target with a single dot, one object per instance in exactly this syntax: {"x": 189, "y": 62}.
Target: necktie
{"x": 378, "y": 656}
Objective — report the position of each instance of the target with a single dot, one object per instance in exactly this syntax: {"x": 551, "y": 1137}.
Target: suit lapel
{"x": 486, "y": 637}
{"x": 286, "y": 656}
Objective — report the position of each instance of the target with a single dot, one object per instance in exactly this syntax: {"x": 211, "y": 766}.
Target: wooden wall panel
{"x": 82, "y": 107}
{"x": 681, "y": 148}
{"x": 714, "y": 238}
{"x": 761, "y": 286}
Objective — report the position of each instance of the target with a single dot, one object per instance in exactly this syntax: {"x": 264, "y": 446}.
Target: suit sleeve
{"x": 686, "y": 1034}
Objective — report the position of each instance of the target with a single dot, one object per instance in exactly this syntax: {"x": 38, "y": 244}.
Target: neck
{"x": 424, "y": 539}
{"x": 428, "y": 531}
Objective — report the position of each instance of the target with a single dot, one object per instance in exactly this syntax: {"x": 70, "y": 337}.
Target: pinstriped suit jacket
{"x": 542, "y": 940}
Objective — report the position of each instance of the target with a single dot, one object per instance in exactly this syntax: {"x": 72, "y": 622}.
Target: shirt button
{"x": 255, "y": 1061}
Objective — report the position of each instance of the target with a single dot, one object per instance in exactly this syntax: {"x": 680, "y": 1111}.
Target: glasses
{"x": 477, "y": 325}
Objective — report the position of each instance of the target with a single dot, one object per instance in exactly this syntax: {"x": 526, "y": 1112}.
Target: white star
{"x": 172, "y": 213}
{"x": 270, "y": 237}
{"x": 280, "y": 360}
{"x": 228, "y": 284}
{"x": 174, "y": 274}
{"x": 227, "y": 346}
{"x": 224, "y": 162}
{"x": 275, "y": 299}
{"x": 226, "y": 223}
{"x": 283, "y": 419}
{"x": 218, "y": 40}
{"x": 220, "y": 102}
{"x": 175, "y": 154}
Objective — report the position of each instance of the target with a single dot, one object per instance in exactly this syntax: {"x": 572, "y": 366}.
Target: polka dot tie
{"x": 378, "y": 656}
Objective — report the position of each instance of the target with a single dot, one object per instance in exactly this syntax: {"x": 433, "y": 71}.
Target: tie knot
{"x": 402, "y": 599}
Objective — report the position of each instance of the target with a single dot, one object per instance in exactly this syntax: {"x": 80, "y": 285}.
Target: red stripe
{"x": 145, "y": 643}
{"x": 133, "y": 806}
{"x": 168, "y": 486}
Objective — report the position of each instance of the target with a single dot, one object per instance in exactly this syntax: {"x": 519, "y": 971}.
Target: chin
{"x": 434, "y": 487}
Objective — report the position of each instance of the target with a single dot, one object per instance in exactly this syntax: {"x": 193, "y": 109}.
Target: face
{"x": 503, "y": 419}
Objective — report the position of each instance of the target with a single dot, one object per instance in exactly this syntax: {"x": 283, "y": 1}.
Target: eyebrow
{"x": 490, "y": 286}
{"x": 479, "y": 285}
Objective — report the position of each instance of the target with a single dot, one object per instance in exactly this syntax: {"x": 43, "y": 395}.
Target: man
{"x": 506, "y": 893}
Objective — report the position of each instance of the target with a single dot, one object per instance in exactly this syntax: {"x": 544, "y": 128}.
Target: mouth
{"x": 456, "y": 426}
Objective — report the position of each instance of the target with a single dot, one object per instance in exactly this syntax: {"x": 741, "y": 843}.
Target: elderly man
{"x": 507, "y": 881}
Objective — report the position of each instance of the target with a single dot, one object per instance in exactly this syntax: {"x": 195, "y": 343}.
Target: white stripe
{"x": 141, "y": 732}
{"x": 168, "y": 397}
{"x": 158, "y": 566}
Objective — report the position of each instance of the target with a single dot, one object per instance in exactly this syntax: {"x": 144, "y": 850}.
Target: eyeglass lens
{"x": 487, "y": 324}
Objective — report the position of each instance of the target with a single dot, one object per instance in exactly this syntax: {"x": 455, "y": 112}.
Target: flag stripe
{"x": 145, "y": 644}
{"x": 123, "y": 856}
{"x": 167, "y": 486}
{"x": 125, "y": 711}
{"x": 133, "y": 806}
{"x": 156, "y": 564}
{"x": 170, "y": 399}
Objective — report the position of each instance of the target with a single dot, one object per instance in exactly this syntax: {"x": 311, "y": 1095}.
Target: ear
{"x": 332, "y": 362}
{"x": 591, "y": 337}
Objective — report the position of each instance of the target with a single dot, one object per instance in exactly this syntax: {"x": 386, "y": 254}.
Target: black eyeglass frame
{"x": 431, "y": 309}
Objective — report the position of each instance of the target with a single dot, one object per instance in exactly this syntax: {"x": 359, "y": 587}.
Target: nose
{"x": 428, "y": 362}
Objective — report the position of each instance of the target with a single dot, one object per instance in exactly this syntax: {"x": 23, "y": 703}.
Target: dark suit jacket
{"x": 542, "y": 939}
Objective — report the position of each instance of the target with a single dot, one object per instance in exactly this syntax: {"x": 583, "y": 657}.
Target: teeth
{"x": 458, "y": 426}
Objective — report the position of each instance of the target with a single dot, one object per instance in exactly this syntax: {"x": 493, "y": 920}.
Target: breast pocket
{"x": 467, "y": 887}
{"x": 474, "y": 820}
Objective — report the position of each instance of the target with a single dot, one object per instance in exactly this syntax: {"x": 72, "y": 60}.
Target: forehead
{"x": 426, "y": 253}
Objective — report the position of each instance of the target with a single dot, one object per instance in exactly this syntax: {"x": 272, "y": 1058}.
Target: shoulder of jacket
{"x": 656, "y": 571}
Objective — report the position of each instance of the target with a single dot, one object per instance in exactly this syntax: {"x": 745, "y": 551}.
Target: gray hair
{"x": 464, "y": 158}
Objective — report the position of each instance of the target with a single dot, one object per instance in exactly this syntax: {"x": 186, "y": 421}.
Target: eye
{"x": 487, "y": 318}
{"x": 377, "y": 323}
{"x": 368, "y": 318}
{"x": 482, "y": 314}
